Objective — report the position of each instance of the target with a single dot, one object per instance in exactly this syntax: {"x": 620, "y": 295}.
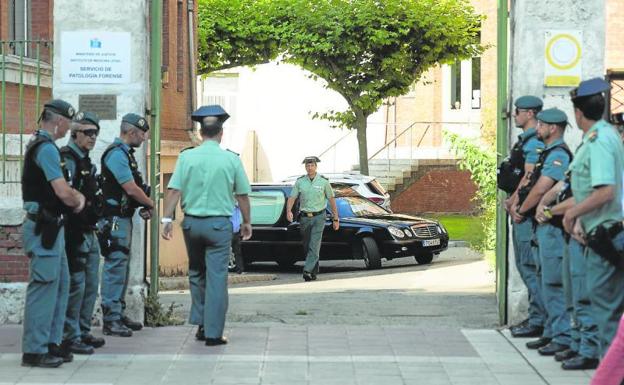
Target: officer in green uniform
{"x": 47, "y": 198}
{"x": 525, "y": 154}
{"x": 313, "y": 191}
{"x": 81, "y": 245}
{"x": 208, "y": 180}
{"x": 550, "y": 168}
{"x": 124, "y": 191}
{"x": 596, "y": 217}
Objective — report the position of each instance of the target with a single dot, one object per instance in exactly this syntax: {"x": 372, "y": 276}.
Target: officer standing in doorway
{"x": 81, "y": 244}
{"x": 549, "y": 169}
{"x": 208, "y": 179}
{"x": 47, "y": 198}
{"x": 313, "y": 190}
{"x": 124, "y": 191}
{"x": 512, "y": 174}
{"x": 596, "y": 217}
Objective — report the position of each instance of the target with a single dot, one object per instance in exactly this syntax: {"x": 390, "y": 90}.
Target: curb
{"x": 458, "y": 244}
{"x": 182, "y": 283}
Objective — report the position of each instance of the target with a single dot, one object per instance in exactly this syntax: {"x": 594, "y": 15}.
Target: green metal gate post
{"x": 156, "y": 87}
{"x": 501, "y": 147}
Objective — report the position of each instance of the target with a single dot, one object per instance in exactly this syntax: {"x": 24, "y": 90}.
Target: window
{"x": 476, "y": 83}
{"x": 180, "y": 51}
{"x": 19, "y": 24}
{"x": 266, "y": 206}
{"x": 165, "y": 43}
{"x": 456, "y": 86}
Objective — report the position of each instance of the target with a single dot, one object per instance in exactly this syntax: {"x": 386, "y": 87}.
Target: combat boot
{"x": 61, "y": 351}
{"x": 116, "y": 328}
{"x": 134, "y": 325}
{"x": 45, "y": 360}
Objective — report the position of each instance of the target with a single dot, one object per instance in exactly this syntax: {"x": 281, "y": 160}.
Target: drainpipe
{"x": 155, "y": 89}
{"x": 192, "y": 133}
{"x": 501, "y": 149}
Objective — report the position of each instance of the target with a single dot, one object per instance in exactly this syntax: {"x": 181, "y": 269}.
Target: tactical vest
{"x": 85, "y": 181}
{"x": 511, "y": 170}
{"x": 113, "y": 190}
{"x": 523, "y": 193}
{"x": 35, "y": 186}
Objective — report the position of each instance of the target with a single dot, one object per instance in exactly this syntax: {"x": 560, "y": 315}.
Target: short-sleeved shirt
{"x": 313, "y": 194}
{"x": 531, "y": 146}
{"x": 119, "y": 165}
{"x": 48, "y": 159}
{"x": 556, "y": 162}
{"x": 207, "y": 176}
{"x": 599, "y": 161}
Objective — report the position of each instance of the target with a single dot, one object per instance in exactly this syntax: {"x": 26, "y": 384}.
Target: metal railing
{"x": 25, "y": 79}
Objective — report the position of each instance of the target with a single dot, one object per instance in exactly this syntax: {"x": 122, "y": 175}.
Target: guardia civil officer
{"x": 124, "y": 191}
{"x": 513, "y": 173}
{"x": 47, "y": 198}
{"x": 313, "y": 191}
{"x": 549, "y": 169}
{"x": 208, "y": 180}
{"x": 81, "y": 244}
{"x": 596, "y": 217}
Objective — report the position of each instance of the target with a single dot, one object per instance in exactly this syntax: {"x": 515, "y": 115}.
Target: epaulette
{"x": 592, "y": 136}
{"x": 235, "y": 153}
{"x": 324, "y": 177}
{"x": 302, "y": 176}
{"x": 188, "y": 148}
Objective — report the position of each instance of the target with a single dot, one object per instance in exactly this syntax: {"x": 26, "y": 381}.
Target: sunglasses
{"x": 90, "y": 133}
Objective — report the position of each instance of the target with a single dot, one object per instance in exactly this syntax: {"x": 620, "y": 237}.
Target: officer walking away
{"x": 513, "y": 173}
{"x": 81, "y": 245}
{"x": 596, "y": 217}
{"x": 549, "y": 169}
{"x": 124, "y": 191}
{"x": 208, "y": 180}
{"x": 47, "y": 198}
{"x": 313, "y": 190}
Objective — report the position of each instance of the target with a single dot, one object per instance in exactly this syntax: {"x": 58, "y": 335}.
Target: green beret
{"x": 552, "y": 116}
{"x": 87, "y": 117}
{"x": 529, "y": 102}
{"x": 136, "y": 120}
{"x": 60, "y": 107}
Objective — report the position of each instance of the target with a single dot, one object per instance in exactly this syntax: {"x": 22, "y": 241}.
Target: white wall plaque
{"x": 562, "y": 59}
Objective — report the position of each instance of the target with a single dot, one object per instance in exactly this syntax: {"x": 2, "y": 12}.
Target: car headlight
{"x": 441, "y": 229}
{"x": 396, "y": 232}
{"x": 407, "y": 232}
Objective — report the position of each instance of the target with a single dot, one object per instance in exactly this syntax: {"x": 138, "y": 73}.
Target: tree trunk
{"x": 360, "y": 126}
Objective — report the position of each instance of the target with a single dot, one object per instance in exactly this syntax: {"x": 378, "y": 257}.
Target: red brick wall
{"x": 614, "y": 52}
{"x": 13, "y": 262}
{"x": 442, "y": 191}
{"x": 31, "y": 114}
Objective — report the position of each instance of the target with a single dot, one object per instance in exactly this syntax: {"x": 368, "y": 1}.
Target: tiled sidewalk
{"x": 289, "y": 355}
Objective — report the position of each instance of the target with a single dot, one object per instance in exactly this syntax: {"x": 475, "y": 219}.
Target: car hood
{"x": 389, "y": 219}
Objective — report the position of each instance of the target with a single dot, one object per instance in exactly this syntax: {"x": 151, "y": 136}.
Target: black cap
{"x": 213, "y": 110}
{"x": 87, "y": 117}
{"x": 311, "y": 159}
{"x": 60, "y": 107}
{"x": 136, "y": 120}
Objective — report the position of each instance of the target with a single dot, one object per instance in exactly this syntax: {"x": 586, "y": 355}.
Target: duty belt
{"x": 311, "y": 214}
{"x": 35, "y": 218}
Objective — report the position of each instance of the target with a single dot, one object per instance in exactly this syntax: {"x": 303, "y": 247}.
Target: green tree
{"x": 366, "y": 50}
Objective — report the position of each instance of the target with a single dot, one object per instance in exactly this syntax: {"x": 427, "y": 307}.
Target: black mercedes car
{"x": 367, "y": 231}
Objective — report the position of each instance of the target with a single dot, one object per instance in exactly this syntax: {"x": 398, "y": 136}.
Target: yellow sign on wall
{"x": 562, "y": 58}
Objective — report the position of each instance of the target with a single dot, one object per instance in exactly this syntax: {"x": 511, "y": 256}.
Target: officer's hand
{"x": 578, "y": 232}
{"x": 539, "y": 214}
{"x": 289, "y": 216}
{"x": 246, "y": 231}
{"x": 82, "y": 201}
{"x": 167, "y": 231}
{"x": 145, "y": 213}
{"x": 517, "y": 218}
{"x": 568, "y": 223}
{"x": 507, "y": 204}
{"x": 336, "y": 225}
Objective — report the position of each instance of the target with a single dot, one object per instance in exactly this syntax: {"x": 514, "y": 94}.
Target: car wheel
{"x": 424, "y": 259}
{"x": 232, "y": 262}
{"x": 370, "y": 253}
{"x": 285, "y": 262}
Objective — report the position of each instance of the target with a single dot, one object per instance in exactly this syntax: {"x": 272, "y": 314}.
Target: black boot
{"x": 61, "y": 351}
{"x": 91, "y": 340}
{"x": 134, "y": 325}
{"x": 538, "y": 343}
{"x": 199, "y": 335}
{"x": 45, "y": 360}
{"x": 78, "y": 347}
{"x": 116, "y": 328}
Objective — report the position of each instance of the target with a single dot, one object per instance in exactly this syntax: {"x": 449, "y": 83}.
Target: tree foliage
{"x": 366, "y": 50}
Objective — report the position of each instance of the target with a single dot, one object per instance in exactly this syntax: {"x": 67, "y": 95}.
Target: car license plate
{"x": 431, "y": 242}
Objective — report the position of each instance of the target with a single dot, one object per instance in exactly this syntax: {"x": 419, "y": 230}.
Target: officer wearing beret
{"x": 550, "y": 168}
{"x": 124, "y": 191}
{"x": 523, "y": 157}
{"x": 208, "y": 180}
{"x": 47, "y": 198}
{"x": 596, "y": 174}
{"x": 313, "y": 191}
{"x": 81, "y": 245}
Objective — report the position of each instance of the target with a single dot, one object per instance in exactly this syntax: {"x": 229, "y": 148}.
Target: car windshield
{"x": 357, "y": 207}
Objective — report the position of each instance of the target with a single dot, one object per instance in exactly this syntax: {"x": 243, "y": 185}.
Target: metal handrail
{"x": 395, "y": 139}
{"x": 336, "y": 143}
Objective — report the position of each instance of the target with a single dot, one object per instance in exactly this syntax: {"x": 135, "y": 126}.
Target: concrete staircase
{"x": 398, "y": 174}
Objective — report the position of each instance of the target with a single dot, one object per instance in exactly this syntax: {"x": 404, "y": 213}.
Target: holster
{"x": 74, "y": 237}
{"x": 48, "y": 225}
{"x": 600, "y": 240}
